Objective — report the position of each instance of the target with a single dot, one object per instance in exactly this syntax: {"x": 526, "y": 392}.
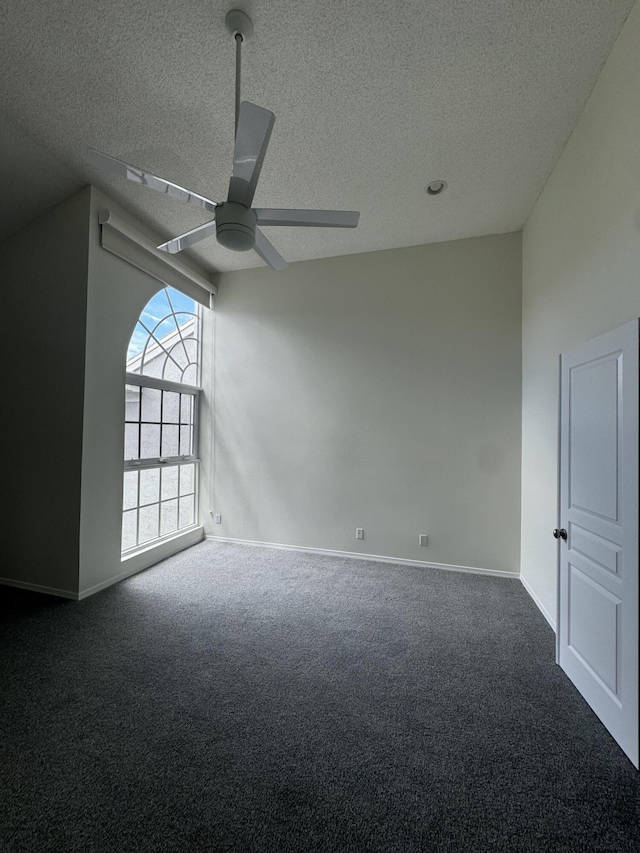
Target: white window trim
{"x": 161, "y": 384}
{"x": 138, "y": 381}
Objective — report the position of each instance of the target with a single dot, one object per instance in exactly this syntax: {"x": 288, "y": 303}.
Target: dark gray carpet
{"x": 241, "y": 699}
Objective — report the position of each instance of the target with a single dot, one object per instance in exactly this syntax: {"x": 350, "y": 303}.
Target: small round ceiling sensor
{"x": 435, "y": 187}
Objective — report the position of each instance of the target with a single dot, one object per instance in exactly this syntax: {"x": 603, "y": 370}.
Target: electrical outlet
{"x": 423, "y": 539}
{"x": 359, "y": 532}
{"x": 218, "y": 518}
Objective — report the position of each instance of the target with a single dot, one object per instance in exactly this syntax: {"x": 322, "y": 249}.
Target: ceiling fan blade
{"x": 269, "y": 253}
{"x": 189, "y": 238}
{"x": 252, "y": 138}
{"x": 140, "y": 176}
{"x": 308, "y": 218}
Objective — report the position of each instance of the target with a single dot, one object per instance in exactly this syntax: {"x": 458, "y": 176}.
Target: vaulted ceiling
{"x": 373, "y": 100}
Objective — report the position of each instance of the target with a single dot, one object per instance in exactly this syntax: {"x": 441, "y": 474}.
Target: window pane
{"x": 186, "y": 511}
{"x": 185, "y": 441}
{"x": 173, "y": 318}
{"x": 190, "y": 376}
{"x": 164, "y": 331}
{"x": 170, "y": 407}
{"x": 169, "y": 482}
{"x": 154, "y": 362}
{"x": 191, "y": 346}
{"x": 131, "y": 441}
{"x": 187, "y": 480}
{"x": 185, "y": 408}
{"x": 130, "y": 496}
{"x": 132, "y": 402}
{"x": 159, "y": 500}
{"x": 169, "y": 440}
{"x": 136, "y": 345}
{"x": 150, "y": 441}
{"x": 129, "y": 526}
{"x": 151, "y": 404}
{"x": 179, "y": 354}
{"x": 172, "y": 371}
{"x": 148, "y": 523}
{"x": 149, "y": 486}
{"x": 185, "y": 320}
{"x": 168, "y": 517}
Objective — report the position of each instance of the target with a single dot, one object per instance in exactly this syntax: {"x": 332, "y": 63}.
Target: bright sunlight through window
{"x": 161, "y": 406}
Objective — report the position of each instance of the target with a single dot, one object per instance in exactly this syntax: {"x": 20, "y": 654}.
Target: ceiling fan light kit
{"x": 236, "y": 227}
{"x": 235, "y": 223}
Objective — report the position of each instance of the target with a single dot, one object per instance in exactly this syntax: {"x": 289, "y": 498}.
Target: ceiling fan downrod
{"x": 240, "y": 26}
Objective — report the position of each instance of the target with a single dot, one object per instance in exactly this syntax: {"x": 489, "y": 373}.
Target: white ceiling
{"x": 373, "y": 99}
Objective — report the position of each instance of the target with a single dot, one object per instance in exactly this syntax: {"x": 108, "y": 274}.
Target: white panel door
{"x": 598, "y": 534}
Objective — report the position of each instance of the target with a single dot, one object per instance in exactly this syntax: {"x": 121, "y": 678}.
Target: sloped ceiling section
{"x": 373, "y": 100}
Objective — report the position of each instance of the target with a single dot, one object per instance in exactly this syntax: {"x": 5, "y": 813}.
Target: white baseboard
{"x": 36, "y": 587}
{"x": 148, "y": 557}
{"x": 376, "y": 558}
{"x": 539, "y": 604}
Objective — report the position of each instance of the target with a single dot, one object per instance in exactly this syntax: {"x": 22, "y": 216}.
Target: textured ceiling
{"x": 373, "y": 99}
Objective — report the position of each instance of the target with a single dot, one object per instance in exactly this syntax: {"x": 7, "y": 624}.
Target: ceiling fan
{"x": 236, "y": 222}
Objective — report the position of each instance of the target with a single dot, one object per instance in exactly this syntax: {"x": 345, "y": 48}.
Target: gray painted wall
{"x": 380, "y": 390}
{"x": 117, "y": 293}
{"x": 581, "y": 277}
{"x": 44, "y": 275}
{"x": 73, "y": 307}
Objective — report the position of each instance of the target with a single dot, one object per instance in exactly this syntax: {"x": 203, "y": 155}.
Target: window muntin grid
{"x": 159, "y": 423}
{"x": 166, "y": 340}
{"x": 158, "y": 502}
{"x": 161, "y": 414}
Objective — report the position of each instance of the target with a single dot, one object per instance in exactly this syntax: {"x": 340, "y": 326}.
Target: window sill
{"x": 170, "y": 544}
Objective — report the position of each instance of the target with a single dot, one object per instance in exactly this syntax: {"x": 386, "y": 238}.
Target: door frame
{"x": 630, "y": 425}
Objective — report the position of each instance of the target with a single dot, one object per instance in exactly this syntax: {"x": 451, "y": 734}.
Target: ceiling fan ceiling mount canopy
{"x": 238, "y": 23}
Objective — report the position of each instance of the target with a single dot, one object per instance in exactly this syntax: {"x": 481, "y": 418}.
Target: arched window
{"x": 161, "y": 407}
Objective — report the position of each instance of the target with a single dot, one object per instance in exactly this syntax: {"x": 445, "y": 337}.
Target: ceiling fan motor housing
{"x": 235, "y": 226}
